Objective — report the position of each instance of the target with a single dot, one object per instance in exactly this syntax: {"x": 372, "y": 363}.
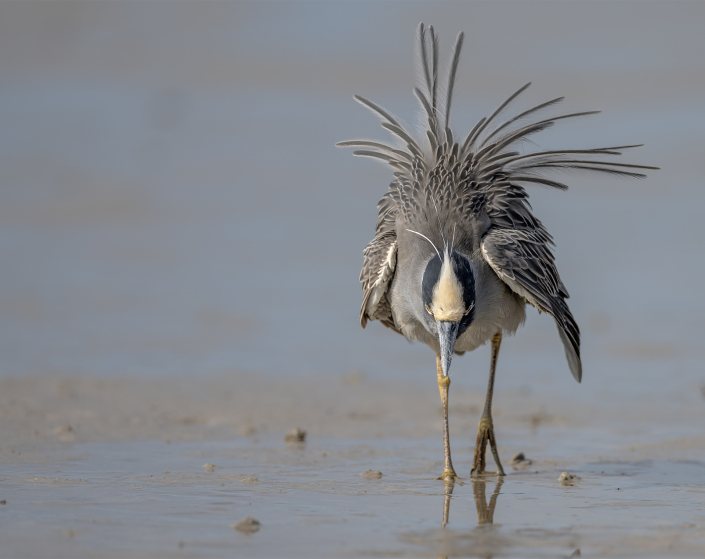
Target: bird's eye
{"x": 428, "y": 310}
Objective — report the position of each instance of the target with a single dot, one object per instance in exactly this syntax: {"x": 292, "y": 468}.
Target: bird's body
{"x": 499, "y": 309}
{"x": 457, "y": 252}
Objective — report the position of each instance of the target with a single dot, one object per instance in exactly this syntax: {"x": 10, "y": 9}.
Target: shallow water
{"x": 156, "y": 499}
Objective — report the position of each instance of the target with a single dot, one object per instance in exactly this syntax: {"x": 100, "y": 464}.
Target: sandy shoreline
{"x": 125, "y": 456}
{"x": 39, "y": 410}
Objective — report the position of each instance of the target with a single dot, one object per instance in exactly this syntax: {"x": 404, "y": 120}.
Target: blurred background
{"x": 172, "y": 203}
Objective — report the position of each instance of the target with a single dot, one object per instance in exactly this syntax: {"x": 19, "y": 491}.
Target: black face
{"x": 461, "y": 267}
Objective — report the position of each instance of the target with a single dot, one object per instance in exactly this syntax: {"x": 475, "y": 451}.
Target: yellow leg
{"x": 485, "y": 431}
{"x": 443, "y": 384}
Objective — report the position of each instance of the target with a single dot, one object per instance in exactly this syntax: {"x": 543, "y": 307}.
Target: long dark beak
{"x": 447, "y": 333}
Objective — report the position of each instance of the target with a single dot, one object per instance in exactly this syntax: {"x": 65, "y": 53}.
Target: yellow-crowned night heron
{"x": 457, "y": 252}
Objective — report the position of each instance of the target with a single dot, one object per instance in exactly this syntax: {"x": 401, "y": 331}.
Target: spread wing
{"x": 523, "y": 260}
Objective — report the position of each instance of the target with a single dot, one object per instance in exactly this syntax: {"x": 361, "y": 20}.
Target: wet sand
{"x": 132, "y": 467}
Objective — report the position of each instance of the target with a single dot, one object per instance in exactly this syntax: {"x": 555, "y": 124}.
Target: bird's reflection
{"x": 484, "y": 540}
{"x": 485, "y": 509}
{"x": 448, "y": 486}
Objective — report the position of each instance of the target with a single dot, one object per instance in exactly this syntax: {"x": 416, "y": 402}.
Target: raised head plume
{"x": 482, "y": 156}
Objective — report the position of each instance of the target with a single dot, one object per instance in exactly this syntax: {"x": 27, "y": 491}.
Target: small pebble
{"x": 295, "y": 436}
{"x": 3, "y": 502}
{"x": 567, "y": 479}
{"x": 521, "y": 462}
{"x": 208, "y": 467}
{"x": 371, "y": 474}
{"x": 247, "y": 525}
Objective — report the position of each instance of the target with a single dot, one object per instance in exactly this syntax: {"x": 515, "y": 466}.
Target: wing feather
{"x": 380, "y": 260}
{"x": 523, "y": 260}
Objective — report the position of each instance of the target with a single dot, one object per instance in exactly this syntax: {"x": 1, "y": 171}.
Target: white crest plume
{"x": 429, "y": 240}
{"x": 440, "y": 225}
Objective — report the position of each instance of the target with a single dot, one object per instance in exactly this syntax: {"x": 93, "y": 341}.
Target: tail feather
{"x": 569, "y": 332}
{"x": 572, "y": 354}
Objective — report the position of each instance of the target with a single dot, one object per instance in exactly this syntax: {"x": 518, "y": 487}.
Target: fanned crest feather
{"x": 481, "y": 178}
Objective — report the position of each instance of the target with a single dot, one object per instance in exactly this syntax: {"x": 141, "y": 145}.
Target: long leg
{"x": 485, "y": 431}
{"x": 443, "y": 384}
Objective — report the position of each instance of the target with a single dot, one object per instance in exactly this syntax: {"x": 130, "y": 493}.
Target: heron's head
{"x": 448, "y": 293}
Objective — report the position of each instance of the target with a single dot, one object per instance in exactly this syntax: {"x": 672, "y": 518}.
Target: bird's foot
{"x": 485, "y": 434}
{"x": 448, "y": 474}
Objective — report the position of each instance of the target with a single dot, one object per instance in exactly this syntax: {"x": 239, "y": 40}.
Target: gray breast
{"x": 497, "y": 308}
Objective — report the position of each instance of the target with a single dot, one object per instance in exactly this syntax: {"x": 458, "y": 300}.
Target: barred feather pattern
{"x": 478, "y": 182}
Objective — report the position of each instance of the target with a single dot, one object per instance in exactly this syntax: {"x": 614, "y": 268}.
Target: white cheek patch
{"x": 447, "y": 303}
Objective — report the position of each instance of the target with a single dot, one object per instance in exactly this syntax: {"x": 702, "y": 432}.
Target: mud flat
{"x": 115, "y": 468}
